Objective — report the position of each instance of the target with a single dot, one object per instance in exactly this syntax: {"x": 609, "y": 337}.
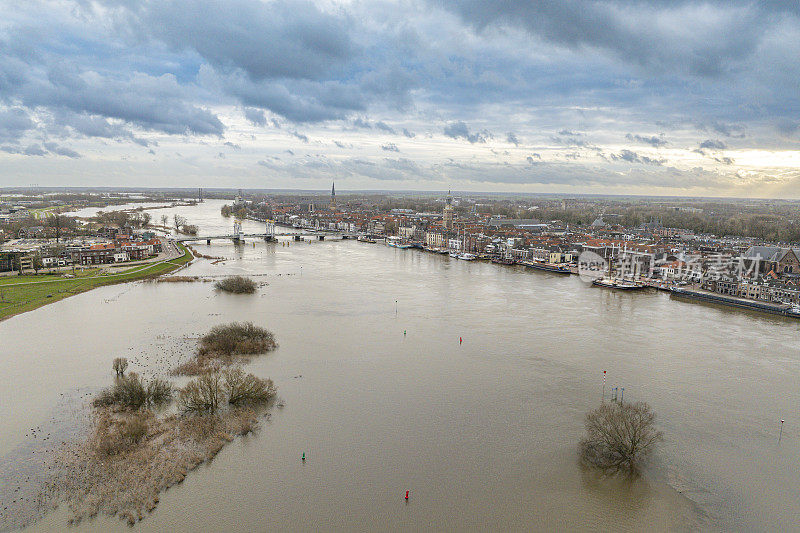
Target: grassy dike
{"x": 19, "y": 294}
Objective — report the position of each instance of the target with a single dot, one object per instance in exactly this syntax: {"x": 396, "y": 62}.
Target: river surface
{"x": 382, "y": 397}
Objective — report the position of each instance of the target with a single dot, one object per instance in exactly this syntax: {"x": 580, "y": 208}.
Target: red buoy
{"x": 406, "y": 495}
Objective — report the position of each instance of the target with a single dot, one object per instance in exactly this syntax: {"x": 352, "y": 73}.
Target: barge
{"x": 742, "y": 303}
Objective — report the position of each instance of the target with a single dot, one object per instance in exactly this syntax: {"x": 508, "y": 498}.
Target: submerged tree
{"x": 202, "y": 394}
{"x": 244, "y": 388}
{"x": 619, "y": 437}
{"x": 120, "y": 364}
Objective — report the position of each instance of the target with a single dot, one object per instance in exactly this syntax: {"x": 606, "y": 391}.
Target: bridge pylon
{"x": 269, "y": 233}
{"x": 237, "y": 232}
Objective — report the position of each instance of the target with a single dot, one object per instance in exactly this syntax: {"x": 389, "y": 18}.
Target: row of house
{"x": 28, "y": 254}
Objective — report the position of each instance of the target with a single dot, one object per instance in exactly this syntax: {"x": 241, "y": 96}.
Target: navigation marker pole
{"x": 604, "y": 385}
{"x": 781, "y": 433}
{"x": 304, "y": 457}
{"x": 622, "y": 397}
{"x": 407, "y": 495}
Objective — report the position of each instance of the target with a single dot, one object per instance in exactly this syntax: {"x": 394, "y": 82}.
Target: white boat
{"x": 453, "y": 254}
{"x": 614, "y": 283}
{"x": 395, "y": 242}
{"x": 467, "y": 256}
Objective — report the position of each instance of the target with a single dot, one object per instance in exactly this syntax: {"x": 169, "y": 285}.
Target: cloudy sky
{"x": 666, "y": 97}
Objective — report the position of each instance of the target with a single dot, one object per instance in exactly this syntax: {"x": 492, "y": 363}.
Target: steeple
{"x": 447, "y": 217}
{"x": 333, "y": 195}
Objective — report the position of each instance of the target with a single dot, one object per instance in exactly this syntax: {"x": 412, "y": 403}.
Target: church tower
{"x": 448, "y": 212}
{"x": 333, "y": 196}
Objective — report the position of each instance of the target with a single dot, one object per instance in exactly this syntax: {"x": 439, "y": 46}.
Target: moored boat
{"x": 467, "y": 256}
{"x": 549, "y": 267}
{"x": 619, "y": 284}
{"x": 503, "y": 261}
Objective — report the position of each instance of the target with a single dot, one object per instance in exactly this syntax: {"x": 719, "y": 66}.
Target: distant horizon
{"x": 344, "y": 192}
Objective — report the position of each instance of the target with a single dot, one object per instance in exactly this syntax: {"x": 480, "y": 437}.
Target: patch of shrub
{"x": 210, "y": 390}
{"x": 619, "y": 437}
{"x": 236, "y": 285}
{"x": 178, "y": 279}
{"x": 132, "y": 392}
{"x": 159, "y": 391}
{"x": 132, "y": 430}
{"x": 202, "y": 394}
{"x": 115, "y": 434}
{"x": 244, "y": 388}
{"x": 237, "y": 339}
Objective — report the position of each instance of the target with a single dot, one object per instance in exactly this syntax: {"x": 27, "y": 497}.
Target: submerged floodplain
{"x": 484, "y": 434}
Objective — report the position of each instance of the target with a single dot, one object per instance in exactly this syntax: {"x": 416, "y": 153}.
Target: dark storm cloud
{"x": 512, "y": 138}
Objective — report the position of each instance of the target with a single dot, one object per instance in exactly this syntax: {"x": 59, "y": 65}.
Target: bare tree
{"x": 164, "y": 220}
{"x": 202, "y": 394}
{"x": 619, "y": 437}
{"x": 179, "y": 221}
{"x": 247, "y": 388}
{"x": 120, "y": 364}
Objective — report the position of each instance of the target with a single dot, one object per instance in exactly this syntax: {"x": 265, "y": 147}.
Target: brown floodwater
{"x": 382, "y": 397}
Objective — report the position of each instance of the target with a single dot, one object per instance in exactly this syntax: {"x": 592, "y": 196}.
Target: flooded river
{"x": 382, "y": 398}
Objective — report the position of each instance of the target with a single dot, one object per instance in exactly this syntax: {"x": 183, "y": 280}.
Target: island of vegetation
{"x": 226, "y": 345}
{"x": 236, "y": 285}
{"x": 142, "y": 441}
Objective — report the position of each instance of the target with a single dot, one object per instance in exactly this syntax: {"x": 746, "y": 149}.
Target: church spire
{"x": 333, "y": 195}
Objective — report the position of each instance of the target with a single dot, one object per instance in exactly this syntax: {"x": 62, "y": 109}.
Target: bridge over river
{"x": 269, "y": 235}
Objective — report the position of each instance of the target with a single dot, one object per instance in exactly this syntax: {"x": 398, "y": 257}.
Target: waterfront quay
{"x": 617, "y": 256}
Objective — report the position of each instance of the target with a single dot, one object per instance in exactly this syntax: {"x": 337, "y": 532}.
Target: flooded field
{"x": 382, "y": 398}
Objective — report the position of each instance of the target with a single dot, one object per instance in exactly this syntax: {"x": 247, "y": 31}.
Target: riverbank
{"x": 20, "y": 294}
